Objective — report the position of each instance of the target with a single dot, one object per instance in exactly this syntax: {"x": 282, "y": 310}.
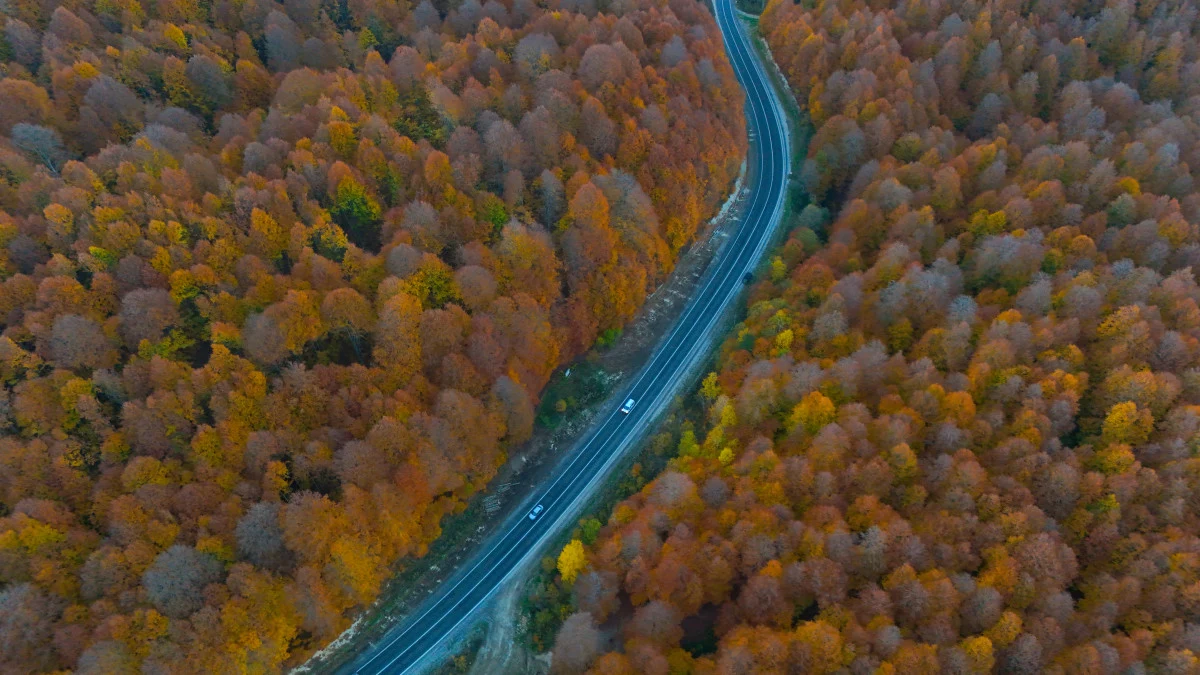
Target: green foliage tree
{"x": 357, "y": 213}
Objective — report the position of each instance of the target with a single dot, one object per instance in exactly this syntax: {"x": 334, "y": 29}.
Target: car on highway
{"x": 628, "y": 406}
{"x": 537, "y": 511}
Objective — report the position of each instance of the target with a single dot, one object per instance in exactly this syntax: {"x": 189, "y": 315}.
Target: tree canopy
{"x": 282, "y": 283}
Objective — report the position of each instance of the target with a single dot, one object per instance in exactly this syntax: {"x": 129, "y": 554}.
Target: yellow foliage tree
{"x": 960, "y": 407}
{"x": 139, "y": 631}
{"x": 728, "y": 416}
{"x": 144, "y": 470}
{"x": 978, "y": 649}
{"x": 1005, "y": 630}
{"x": 1113, "y": 459}
{"x": 903, "y": 461}
{"x": 812, "y": 412}
{"x": 824, "y": 645}
{"x": 1125, "y": 423}
{"x": 341, "y": 138}
{"x": 176, "y": 36}
{"x": 60, "y": 218}
{"x": 726, "y": 457}
{"x": 783, "y": 341}
{"x": 259, "y": 621}
{"x": 299, "y": 317}
{"x": 266, "y": 235}
{"x": 778, "y": 269}
{"x": 398, "y": 347}
{"x": 572, "y": 561}
{"x": 900, "y": 335}
{"x": 357, "y": 568}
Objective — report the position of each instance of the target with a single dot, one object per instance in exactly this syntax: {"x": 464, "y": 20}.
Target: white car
{"x": 537, "y": 511}
{"x": 628, "y": 406}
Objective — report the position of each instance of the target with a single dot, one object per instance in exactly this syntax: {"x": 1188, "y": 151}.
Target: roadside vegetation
{"x": 956, "y": 433}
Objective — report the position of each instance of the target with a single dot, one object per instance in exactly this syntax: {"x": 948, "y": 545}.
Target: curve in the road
{"x": 408, "y": 644}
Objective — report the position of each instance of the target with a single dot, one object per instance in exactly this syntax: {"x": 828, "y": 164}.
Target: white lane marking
{"x": 775, "y": 114}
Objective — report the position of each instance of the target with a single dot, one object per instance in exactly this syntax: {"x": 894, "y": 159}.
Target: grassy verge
{"x": 571, "y": 392}
{"x": 754, "y": 7}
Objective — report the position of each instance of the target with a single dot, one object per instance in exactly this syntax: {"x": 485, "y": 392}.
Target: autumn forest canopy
{"x": 958, "y": 429}
{"x": 281, "y": 282}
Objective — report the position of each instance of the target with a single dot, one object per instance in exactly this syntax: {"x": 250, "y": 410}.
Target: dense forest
{"x": 280, "y": 283}
{"x": 957, "y": 430}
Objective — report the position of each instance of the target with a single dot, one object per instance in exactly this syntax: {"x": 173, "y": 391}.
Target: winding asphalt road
{"x": 416, "y": 641}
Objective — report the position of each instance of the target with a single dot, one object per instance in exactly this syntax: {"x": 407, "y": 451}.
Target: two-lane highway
{"x": 411, "y": 644}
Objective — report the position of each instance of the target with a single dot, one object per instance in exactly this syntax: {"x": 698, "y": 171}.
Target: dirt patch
{"x": 502, "y": 650}
{"x": 526, "y": 469}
